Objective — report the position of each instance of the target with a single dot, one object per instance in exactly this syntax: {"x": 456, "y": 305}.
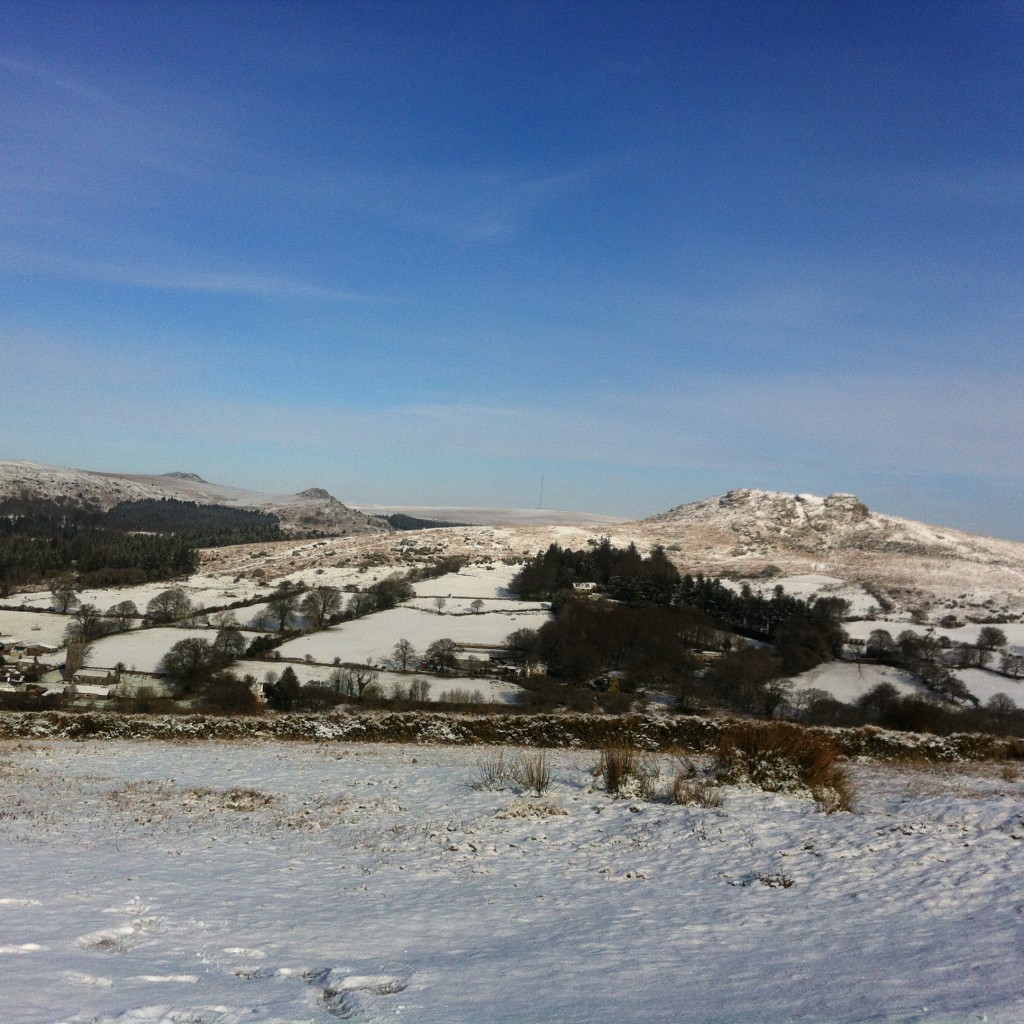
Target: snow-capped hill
{"x": 748, "y": 531}
{"x": 313, "y": 509}
{"x": 758, "y": 522}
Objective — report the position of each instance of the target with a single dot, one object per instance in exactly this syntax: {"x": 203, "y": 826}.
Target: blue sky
{"x": 426, "y": 253}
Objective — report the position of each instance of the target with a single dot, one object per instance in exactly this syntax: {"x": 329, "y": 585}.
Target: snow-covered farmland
{"x": 33, "y": 627}
{"x": 203, "y": 591}
{"x": 489, "y": 579}
{"x": 491, "y": 690}
{"x": 967, "y": 634}
{"x": 848, "y": 681}
{"x": 984, "y": 684}
{"x": 373, "y": 637}
{"x": 263, "y": 882}
{"x": 808, "y": 585}
{"x": 141, "y": 649}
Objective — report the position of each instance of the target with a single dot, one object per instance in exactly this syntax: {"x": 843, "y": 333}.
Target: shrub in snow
{"x": 532, "y": 771}
{"x": 628, "y": 772}
{"x": 685, "y": 790}
{"x": 492, "y": 772}
{"x": 782, "y": 758}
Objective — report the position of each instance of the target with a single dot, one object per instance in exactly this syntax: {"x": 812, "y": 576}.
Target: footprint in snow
{"x": 353, "y": 996}
{"x": 108, "y": 940}
{"x": 93, "y": 980}
{"x": 344, "y": 993}
{"x": 255, "y": 954}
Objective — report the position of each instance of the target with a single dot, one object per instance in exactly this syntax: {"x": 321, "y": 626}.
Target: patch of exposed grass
{"x": 545, "y": 808}
{"x": 781, "y": 758}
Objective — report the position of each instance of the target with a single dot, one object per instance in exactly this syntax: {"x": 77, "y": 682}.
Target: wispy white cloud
{"x": 62, "y": 83}
{"x": 465, "y": 205}
{"x": 187, "y": 280}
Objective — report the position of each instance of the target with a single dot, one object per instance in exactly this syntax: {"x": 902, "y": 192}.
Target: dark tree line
{"x": 885, "y": 706}
{"x": 650, "y": 632}
{"x": 135, "y": 542}
{"x": 623, "y": 572}
{"x": 205, "y": 526}
{"x": 99, "y": 558}
{"x": 400, "y": 521}
{"x": 633, "y": 580}
{"x": 653, "y": 644}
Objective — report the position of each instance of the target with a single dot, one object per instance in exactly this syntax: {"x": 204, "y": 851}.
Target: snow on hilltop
{"x": 748, "y": 531}
{"x": 313, "y": 509}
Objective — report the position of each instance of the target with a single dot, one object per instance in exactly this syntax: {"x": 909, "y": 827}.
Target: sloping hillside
{"x": 751, "y": 532}
{"x": 313, "y": 509}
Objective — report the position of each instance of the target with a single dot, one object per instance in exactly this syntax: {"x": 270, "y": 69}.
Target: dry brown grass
{"x": 782, "y": 758}
{"x": 492, "y": 772}
{"x": 689, "y": 792}
{"x": 617, "y": 766}
{"x": 532, "y": 771}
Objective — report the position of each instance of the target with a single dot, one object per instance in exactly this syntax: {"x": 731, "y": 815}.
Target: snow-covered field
{"x": 373, "y": 637}
{"x": 985, "y": 684}
{"x": 491, "y": 690}
{"x": 33, "y": 627}
{"x": 204, "y": 592}
{"x": 490, "y": 579}
{"x": 848, "y": 681}
{"x": 967, "y": 634}
{"x": 142, "y": 649}
{"x": 810, "y": 585}
{"x": 228, "y": 883}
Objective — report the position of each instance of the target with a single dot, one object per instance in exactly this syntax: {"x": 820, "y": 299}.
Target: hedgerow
{"x": 650, "y": 732}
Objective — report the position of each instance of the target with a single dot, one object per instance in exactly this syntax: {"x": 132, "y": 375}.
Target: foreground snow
{"x": 265, "y": 882}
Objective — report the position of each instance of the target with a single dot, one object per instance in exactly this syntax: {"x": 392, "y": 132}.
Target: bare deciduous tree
{"x": 404, "y": 653}
{"x": 991, "y": 637}
{"x": 441, "y": 654}
{"x": 87, "y": 624}
{"x": 123, "y": 613}
{"x": 282, "y": 606}
{"x": 320, "y": 603}
{"x": 169, "y": 605}
{"x": 62, "y": 590}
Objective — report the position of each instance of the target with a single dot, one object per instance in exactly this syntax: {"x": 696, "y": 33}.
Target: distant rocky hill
{"x": 313, "y": 509}
{"x": 750, "y": 532}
